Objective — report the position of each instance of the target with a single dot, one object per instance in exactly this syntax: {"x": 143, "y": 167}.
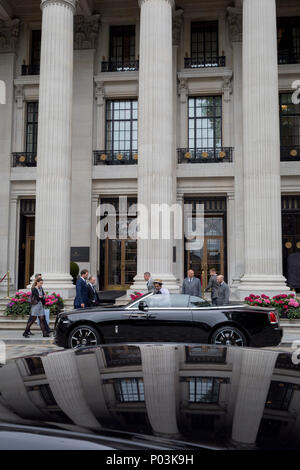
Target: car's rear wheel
{"x": 83, "y": 335}
{"x": 229, "y": 336}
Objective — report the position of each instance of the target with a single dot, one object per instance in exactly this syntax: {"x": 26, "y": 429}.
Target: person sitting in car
{"x": 158, "y": 289}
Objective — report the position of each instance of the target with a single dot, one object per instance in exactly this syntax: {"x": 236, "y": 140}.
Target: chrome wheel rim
{"x": 229, "y": 337}
{"x": 83, "y": 337}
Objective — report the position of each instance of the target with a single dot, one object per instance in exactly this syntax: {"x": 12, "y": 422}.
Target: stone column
{"x": 262, "y": 202}
{"x": 156, "y": 168}
{"x": 94, "y": 239}
{"x": 235, "y": 24}
{"x": 53, "y": 184}
{"x": 254, "y": 382}
{"x": 161, "y": 379}
{"x": 13, "y": 230}
{"x": 9, "y": 31}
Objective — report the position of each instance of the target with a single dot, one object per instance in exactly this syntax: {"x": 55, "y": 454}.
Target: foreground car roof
{"x": 164, "y": 396}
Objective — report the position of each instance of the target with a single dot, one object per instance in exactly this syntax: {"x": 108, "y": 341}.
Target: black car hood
{"x": 151, "y": 396}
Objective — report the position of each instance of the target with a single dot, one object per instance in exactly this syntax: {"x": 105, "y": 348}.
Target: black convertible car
{"x": 169, "y": 318}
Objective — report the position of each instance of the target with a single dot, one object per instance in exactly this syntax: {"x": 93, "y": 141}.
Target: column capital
{"x": 86, "y": 31}
{"x": 67, "y": 3}
{"x": 171, "y": 2}
{"x": 235, "y": 23}
{"x": 9, "y": 33}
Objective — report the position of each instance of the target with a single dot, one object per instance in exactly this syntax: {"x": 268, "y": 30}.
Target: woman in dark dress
{"x": 37, "y": 308}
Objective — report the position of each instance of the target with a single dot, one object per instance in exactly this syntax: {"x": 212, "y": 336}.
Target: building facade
{"x": 150, "y": 102}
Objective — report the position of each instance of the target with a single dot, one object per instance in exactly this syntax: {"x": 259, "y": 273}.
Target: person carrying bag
{"x": 37, "y": 300}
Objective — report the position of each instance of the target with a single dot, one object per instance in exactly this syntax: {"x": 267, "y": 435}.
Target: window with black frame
{"x": 129, "y": 390}
{"x": 36, "y": 37}
{"x": 280, "y": 395}
{"x": 121, "y": 129}
{"x": 288, "y": 39}
{"x": 122, "y": 48}
{"x": 204, "y": 45}
{"x": 35, "y": 54}
{"x": 289, "y": 127}
{"x": 205, "y": 126}
{"x": 31, "y": 131}
{"x": 204, "y": 390}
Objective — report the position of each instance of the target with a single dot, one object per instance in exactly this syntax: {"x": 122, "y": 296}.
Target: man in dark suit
{"x": 93, "y": 295}
{"x": 223, "y": 291}
{"x": 213, "y": 285}
{"x": 191, "y": 284}
{"x": 82, "y": 291}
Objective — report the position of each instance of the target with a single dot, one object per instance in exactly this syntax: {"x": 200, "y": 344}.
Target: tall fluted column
{"x": 255, "y": 376}
{"x": 262, "y": 202}
{"x": 161, "y": 379}
{"x": 156, "y": 166}
{"x": 53, "y": 185}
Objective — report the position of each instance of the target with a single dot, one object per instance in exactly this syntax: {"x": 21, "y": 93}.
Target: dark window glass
{"x": 121, "y": 125}
{"x": 204, "y": 42}
{"x": 35, "y": 47}
{"x": 280, "y": 394}
{"x": 129, "y": 390}
{"x": 288, "y": 35}
{"x": 204, "y": 390}
{"x": 35, "y": 365}
{"x": 122, "y": 44}
{"x": 205, "y": 122}
{"x": 289, "y": 120}
{"x": 32, "y": 126}
{"x": 45, "y": 392}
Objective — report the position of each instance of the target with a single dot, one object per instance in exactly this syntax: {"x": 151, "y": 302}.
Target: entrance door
{"x": 211, "y": 255}
{"x": 29, "y": 249}
{"x": 120, "y": 263}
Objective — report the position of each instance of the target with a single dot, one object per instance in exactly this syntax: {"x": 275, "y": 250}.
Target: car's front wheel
{"x": 83, "y": 335}
{"x": 229, "y": 336}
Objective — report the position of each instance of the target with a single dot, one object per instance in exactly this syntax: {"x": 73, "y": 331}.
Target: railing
{"x": 125, "y": 66}
{"x": 288, "y": 58}
{"x": 205, "y": 155}
{"x": 196, "y": 63}
{"x": 290, "y": 153}
{"x": 116, "y": 157}
{"x": 24, "y": 159}
{"x": 30, "y": 69}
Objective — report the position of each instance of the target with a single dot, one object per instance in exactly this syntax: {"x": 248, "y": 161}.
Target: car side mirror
{"x": 143, "y": 306}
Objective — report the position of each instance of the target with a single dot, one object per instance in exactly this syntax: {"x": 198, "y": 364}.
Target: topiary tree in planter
{"x": 74, "y": 271}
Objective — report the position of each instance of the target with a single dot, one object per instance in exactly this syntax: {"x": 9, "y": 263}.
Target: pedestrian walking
{"x": 223, "y": 291}
{"x": 213, "y": 285}
{"x": 36, "y": 276}
{"x": 93, "y": 297}
{"x": 149, "y": 281}
{"x": 37, "y": 300}
{"x": 82, "y": 291}
{"x": 191, "y": 285}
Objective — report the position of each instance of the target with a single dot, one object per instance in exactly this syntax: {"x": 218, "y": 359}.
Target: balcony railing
{"x": 205, "y": 155}
{"x": 288, "y": 58}
{"x": 30, "y": 69}
{"x": 116, "y": 157}
{"x": 125, "y": 66}
{"x": 23, "y": 159}
{"x": 290, "y": 153}
{"x": 197, "y": 63}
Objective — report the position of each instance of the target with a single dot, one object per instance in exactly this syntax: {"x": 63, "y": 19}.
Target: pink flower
{"x": 267, "y": 301}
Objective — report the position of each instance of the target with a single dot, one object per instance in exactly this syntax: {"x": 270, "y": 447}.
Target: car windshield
{"x": 169, "y": 300}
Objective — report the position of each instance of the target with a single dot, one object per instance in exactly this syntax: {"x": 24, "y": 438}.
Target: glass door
{"x": 120, "y": 263}
{"x": 201, "y": 257}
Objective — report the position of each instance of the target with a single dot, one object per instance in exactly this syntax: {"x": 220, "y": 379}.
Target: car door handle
{"x": 151, "y": 316}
